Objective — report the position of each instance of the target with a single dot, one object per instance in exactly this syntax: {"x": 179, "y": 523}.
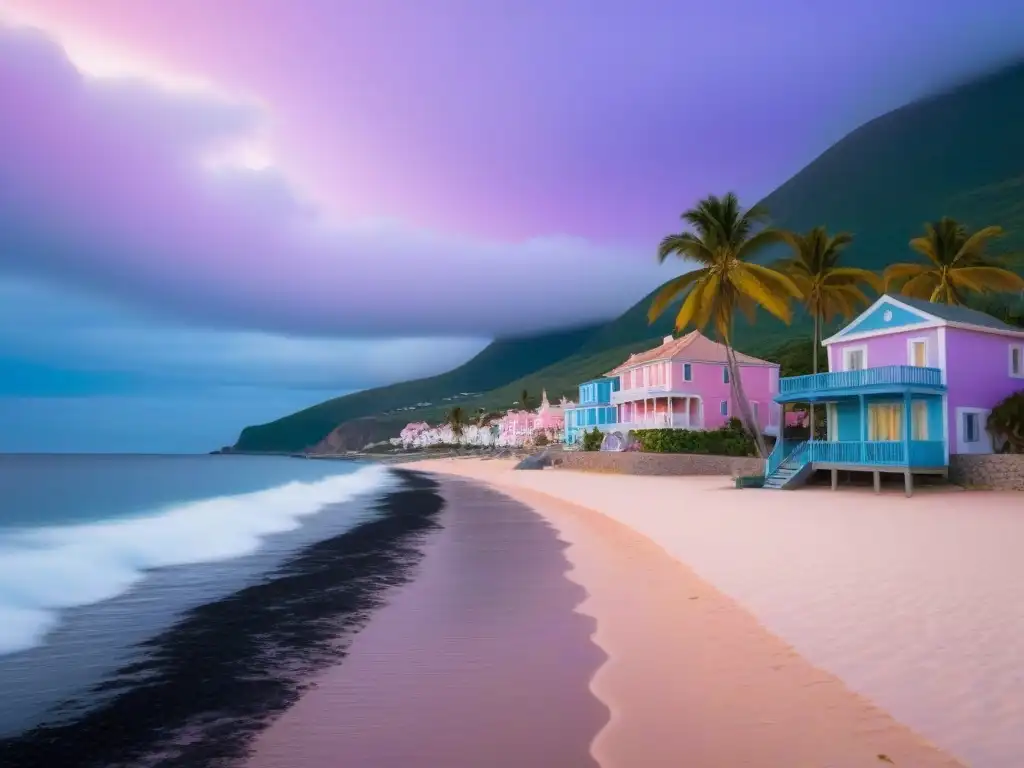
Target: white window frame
{"x": 910, "y": 350}
{"x": 847, "y": 351}
{"x": 725, "y": 375}
{"x": 754, "y": 411}
{"x": 723, "y": 408}
{"x": 687, "y": 371}
{"x": 831, "y": 423}
{"x": 984, "y": 442}
{"x": 1009, "y": 361}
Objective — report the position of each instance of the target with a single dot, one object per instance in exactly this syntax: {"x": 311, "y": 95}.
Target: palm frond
{"x": 671, "y": 291}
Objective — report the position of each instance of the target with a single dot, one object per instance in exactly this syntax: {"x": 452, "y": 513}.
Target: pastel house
{"x": 909, "y": 384}
{"x": 594, "y": 409}
{"x": 517, "y": 427}
{"x": 684, "y": 384}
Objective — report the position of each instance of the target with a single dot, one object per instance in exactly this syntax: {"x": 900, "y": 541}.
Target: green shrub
{"x": 730, "y": 440}
{"x": 1006, "y": 423}
{"x": 592, "y": 440}
{"x": 540, "y": 439}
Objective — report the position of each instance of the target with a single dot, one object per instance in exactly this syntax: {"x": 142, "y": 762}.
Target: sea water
{"x": 100, "y": 553}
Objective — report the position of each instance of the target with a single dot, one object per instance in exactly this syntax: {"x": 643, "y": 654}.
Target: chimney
{"x": 667, "y": 339}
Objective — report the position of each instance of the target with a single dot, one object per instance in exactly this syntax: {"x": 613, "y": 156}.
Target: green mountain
{"x": 959, "y": 153}
{"x": 500, "y": 362}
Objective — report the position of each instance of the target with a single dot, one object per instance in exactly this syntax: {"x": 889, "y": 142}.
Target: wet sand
{"x": 481, "y": 660}
{"x": 693, "y": 676}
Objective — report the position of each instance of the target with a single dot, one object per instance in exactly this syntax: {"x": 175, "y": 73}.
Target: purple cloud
{"x": 103, "y": 184}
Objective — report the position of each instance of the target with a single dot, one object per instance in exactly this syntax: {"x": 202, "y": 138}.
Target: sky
{"x": 215, "y": 213}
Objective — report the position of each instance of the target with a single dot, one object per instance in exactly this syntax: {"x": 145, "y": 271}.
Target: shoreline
{"x": 483, "y": 658}
{"x": 727, "y": 690}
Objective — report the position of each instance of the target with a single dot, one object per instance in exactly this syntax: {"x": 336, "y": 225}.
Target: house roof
{"x": 693, "y": 347}
{"x": 954, "y": 314}
{"x": 931, "y": 314}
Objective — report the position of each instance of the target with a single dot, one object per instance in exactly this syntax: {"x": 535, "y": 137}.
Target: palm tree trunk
{"x": 814, "y": 369}
{"x": 742, "y": 404}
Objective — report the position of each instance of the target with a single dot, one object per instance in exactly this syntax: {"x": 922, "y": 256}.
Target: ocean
{"x": 159, "y": 610}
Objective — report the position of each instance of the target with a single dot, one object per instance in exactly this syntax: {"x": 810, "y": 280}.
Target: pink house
{"x": 412, "y": 430}
{"x": 685, "y": 384}
{"x": 516, "y": 427}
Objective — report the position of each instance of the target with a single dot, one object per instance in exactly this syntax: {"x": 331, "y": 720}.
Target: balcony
{"x": 647, "y": 393}
{"x": 887, "y": 378}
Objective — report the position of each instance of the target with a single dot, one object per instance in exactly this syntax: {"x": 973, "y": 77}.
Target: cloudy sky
{"x": 214, "y": 213}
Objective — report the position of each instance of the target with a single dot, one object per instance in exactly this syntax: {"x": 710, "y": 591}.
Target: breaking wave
{"x": 45, "y": 570}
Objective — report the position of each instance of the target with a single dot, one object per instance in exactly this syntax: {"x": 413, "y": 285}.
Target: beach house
{"x": 594, "y": 409}
{"x": 518, "y": 427}
{"x": 684, "y": 384}
{"x": 909, "y": 383}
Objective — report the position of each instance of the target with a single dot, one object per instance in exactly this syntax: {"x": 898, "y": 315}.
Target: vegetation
{"x": 724, "y": 242}
{"x": 592, "y": 440}
{"x": 540, "y": 440}
{"x": 829, "y": 291}
{"x": 456, "y": 419}
{"x": 955, "y": 263}
{"x": 525, "y": 401}
{"x": 1006, "y": 423}
{"x": 731, "y": 440}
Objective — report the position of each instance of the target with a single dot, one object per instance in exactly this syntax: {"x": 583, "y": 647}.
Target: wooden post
{"x": 835, "y": 479}
{"x": 908, "y": 482}
{"x": 863, "y": 428}
{"x": 878, "y": 481}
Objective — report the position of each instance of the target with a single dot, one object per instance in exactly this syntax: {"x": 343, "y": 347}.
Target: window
{"x": 687, "y": 372}
{"x": 723, "y": 408}
{"x": 1017, "y": 361}
{"x": 917, "y": 353}
{"x": 855, "y": 358}
{"x": 725, "y": 375}
{"x": 971, "y": 431}
{"x": 754, "y": 410}
{"x": 919, "y": 420}
{"x": 884, "y": 421}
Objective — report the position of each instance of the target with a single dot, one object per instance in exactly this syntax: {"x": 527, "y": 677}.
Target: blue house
{"x": 594, "y": 408}
{"x": 909, "y": 383}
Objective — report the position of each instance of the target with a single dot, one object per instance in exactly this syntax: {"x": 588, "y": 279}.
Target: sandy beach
{"x": 809, "y": 628}
{"x": 481, "y": 660}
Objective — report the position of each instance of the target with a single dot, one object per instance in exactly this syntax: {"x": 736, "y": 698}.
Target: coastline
{"x": 482, "y": 659}
{"x": 726, "y": 687}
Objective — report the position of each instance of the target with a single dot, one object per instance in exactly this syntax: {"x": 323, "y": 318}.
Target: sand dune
{"x": 915, "y": 604}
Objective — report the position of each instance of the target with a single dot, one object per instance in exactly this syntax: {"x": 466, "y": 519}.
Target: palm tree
{"x": 723, "y": 242}
{"x": 829, "y": 290}
{"x": 457, "y": 421}
{"x": 524, "y": 400}
{"x": 955, "y": 263}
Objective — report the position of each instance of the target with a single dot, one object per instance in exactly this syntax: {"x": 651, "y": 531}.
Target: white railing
{"x": 647, "y": 393}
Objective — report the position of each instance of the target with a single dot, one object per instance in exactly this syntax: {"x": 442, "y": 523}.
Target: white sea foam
{"x": 44, "y": 570}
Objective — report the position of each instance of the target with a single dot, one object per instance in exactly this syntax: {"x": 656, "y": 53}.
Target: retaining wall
{"x": 639, "y": 463}
{"x": 997, "y": 471}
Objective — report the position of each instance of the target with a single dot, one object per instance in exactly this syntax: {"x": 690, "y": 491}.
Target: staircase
{"x": 791, "y": 471}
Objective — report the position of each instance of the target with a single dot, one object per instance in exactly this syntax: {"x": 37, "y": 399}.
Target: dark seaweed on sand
{"x": 205, "y": 687}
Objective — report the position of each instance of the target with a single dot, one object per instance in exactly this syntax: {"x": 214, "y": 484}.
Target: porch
{"x": 876, "y": 430}
{"x": 659, "y": 412}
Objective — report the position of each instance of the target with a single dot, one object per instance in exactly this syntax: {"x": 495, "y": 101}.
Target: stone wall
{"x": 638, "y": 463}
{"x": 998, "y": 471}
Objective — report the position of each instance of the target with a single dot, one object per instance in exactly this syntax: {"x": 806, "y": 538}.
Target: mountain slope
{"x": 959, "y": 154}
{"x": 500, "y": 362}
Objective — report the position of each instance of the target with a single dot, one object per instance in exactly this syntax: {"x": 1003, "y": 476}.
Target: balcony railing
{"x": 875, "y": 453}
{"x": 883, "y": 376}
